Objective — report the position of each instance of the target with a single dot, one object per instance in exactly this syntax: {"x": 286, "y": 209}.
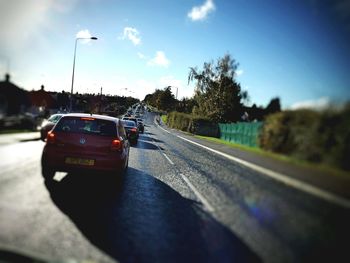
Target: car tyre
{"x": 126, "y": 164}
{"x": 47, "y": 172}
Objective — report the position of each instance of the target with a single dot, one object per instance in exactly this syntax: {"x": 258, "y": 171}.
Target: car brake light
{"x": 116, "y": 145}
{"x": 50, "y": 137}
{"x": 87, "y": 119}
{"x": 133, "y": 129}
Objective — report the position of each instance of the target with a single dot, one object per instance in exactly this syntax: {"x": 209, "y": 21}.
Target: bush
{"x": 309, "y": 135}
{"x": 179, "y": 120}
{"x": 193, "y": 124}
{"x": 204, "y": 127}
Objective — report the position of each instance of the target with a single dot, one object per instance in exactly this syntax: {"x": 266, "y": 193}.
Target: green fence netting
{"x": 245, "y": 133}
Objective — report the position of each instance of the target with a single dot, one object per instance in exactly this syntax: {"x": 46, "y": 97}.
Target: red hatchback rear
{"x": 85, "y": 142}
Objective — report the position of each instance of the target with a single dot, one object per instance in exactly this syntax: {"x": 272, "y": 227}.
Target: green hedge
{"x": 193, "y": 124}
{"x": 321, "y": 137}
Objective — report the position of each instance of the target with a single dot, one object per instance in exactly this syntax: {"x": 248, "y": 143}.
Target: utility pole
{"x": 100, "y": 101}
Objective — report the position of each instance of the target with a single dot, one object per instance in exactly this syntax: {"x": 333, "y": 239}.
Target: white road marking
{"x": 186, "y": 180}
{"x": 166, "y": 156}
{"x": 161, "y": 127}
{"x": 59, "y": 176}
{"x": 198, "y": 194}
{"x": 305, "y": 187}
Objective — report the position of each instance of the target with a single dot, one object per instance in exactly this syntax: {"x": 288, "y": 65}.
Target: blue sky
{"x": 296, "y": 50}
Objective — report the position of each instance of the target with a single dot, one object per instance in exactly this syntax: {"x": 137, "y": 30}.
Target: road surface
{"x": 177, "y": 203}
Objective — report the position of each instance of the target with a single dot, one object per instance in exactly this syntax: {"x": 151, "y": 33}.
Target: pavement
{"x": 19, "y": 137}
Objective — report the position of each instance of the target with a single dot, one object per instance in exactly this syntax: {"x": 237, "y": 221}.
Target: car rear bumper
{"x": 56, "y": 160}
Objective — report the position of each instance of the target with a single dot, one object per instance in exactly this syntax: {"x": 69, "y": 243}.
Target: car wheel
{"x": 126, "y": 164}
{"x": 47, "y": 172}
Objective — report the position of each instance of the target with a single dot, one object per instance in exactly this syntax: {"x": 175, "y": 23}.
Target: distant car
{"x": 130, "y": 118}
{"x": 140, "y": 125}
{"x": 48, "y": 124}
{"x": 131, "y": 131}
{"x": 85, "y": 142}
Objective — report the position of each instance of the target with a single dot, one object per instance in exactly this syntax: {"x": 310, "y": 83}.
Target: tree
{"x": 161, "y": 99}
{"x": 274, "y": 106}
{"x": 219, "y": 97}
{"x": 186, "y": 105}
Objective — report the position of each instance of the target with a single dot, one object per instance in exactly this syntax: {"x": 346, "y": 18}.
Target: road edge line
{"x": 305, "y": 187}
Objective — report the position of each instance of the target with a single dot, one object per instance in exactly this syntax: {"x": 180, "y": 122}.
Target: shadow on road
{"x": 145, "y": 145}
{"x": 150, "y": 139}
{"x": 141, "y": 219}
{"x": 30, "y": 140}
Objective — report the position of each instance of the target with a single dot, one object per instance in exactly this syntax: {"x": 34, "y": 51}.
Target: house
{"x": 41, "y": 102}
{"x": 13, "y": 100}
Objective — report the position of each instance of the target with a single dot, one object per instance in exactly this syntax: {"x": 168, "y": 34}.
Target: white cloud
{"x": 239, "y": 72}
{"x": 23, "y": 22}
{"x": 141, "y": 56}
{"x": 201, "y": 12}
{"x": 132, "y": 34}
{"x": 84, "y": 34}
{"x": 159, "y": 60}
{"x": 317, "y": 104}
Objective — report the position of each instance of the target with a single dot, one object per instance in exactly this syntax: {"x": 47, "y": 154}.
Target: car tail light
{"x": 116, "y": 145}
{"x": 134, "y": 130}
{"x": 51, "y": 137}
{"x": 87, "y": 118}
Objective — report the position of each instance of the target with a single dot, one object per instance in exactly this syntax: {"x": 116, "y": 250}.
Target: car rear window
{"x": 55, "y": 118}
{"x": 87, "y": 126}
{"x": 130, "y": 119}
{"x": 129, "y": 124}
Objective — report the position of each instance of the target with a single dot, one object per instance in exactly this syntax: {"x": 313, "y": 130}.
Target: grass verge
{"x": 11, "y": 131}
{"x": 164, "y": 118}
{"x": 288, "y": 159}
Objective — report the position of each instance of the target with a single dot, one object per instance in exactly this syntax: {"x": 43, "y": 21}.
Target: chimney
{"x": 7, "y": 77}
{"x": 42, "y": 87}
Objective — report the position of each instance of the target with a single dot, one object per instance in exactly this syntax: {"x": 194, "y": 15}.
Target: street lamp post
{"x": 75, "y": 52}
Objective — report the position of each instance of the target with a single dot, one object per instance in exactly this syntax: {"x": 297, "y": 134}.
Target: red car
{"x": 85, "y": 142}
{"x": 131, "y": 131}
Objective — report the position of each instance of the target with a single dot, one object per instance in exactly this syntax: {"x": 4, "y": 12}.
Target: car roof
{"x": 96, "y": 116}
{"x": 57, "y": 114}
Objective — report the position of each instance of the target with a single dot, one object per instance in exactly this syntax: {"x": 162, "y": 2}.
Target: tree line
{"x": 218, "y": 96}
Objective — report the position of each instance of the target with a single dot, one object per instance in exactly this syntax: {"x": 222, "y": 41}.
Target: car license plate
{"x": 79, "y": 161}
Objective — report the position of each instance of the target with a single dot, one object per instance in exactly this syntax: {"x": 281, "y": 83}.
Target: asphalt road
{"x": 176, "y": 203}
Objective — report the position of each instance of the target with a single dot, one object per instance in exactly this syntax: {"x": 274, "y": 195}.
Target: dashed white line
{"x": 332, "y": 198}
{"x": 198, "y": 194}
{"x": 166, "y": 156}
{"x": 204, "y": 201}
